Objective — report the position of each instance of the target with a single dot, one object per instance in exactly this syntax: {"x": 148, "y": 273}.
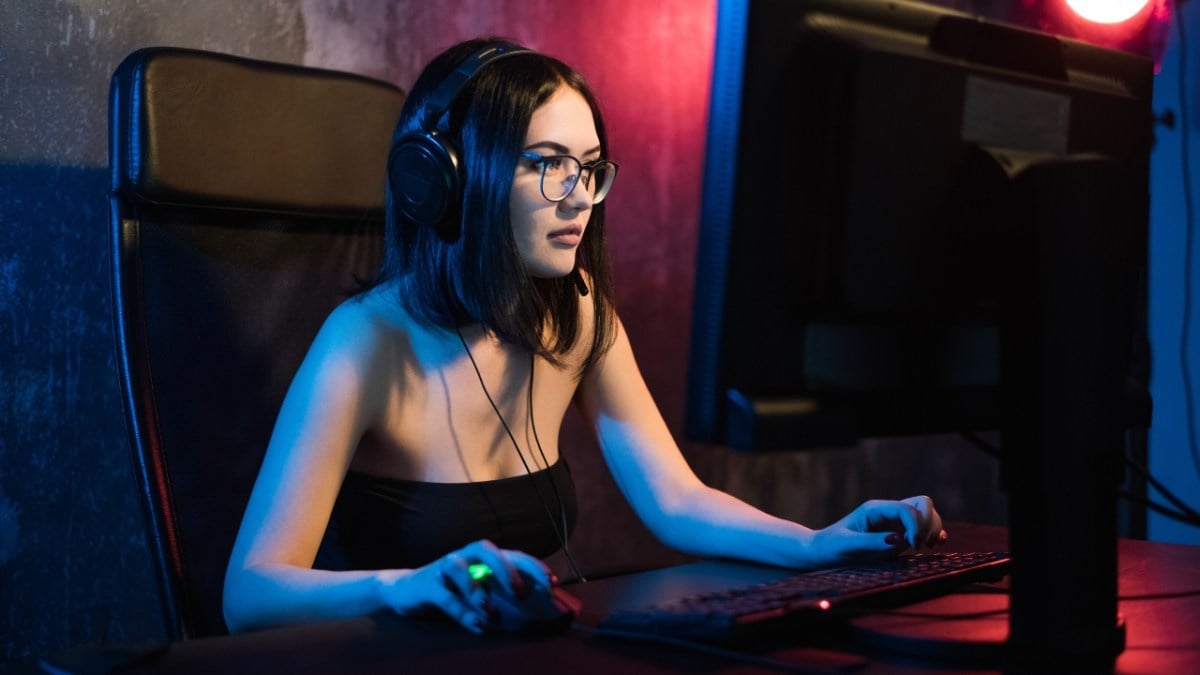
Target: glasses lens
{"x": 559, "y": 175}
{"x": 602, "y": 175}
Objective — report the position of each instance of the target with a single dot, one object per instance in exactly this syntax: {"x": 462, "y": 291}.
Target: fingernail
{"x": 943, "y": 537}
{"x": 892, "y": 539}
{"x": 553, "y": 581}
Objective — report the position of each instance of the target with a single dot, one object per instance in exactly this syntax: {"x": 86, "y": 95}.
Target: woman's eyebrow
{"x": 559, "y": 148}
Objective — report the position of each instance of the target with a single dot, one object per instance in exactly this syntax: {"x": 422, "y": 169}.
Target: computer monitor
{"x": 851, "y": 252}
{"x": 914, "y": 221}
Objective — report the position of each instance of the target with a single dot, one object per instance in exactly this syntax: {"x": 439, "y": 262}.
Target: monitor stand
{"x": 1076, "y": 243}
{"x": 1079, "y": 235}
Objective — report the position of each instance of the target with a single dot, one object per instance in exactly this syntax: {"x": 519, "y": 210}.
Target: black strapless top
{"x": 388, "y": 523}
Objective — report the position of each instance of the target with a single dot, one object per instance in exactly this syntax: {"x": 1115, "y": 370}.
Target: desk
{"x": 1163, "y": 634}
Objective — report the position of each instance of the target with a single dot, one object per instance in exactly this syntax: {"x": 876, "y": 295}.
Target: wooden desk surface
{"x": 1159, "y": 589}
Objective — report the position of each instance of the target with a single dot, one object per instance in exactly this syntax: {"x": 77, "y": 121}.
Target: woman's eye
{"x": 552, "y": 163}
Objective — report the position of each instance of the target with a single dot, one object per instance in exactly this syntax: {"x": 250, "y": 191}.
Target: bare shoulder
{"x": 363, "y": 331}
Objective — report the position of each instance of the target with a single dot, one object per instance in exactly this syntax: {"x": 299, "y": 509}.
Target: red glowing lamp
{"x": 1108, "y": 11}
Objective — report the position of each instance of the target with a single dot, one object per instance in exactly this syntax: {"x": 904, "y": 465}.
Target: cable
{"x": 1183, "y": 513}
{"x": 562, "y": 510}
{"x": 559, "y": 534}
{"x": 1160, "y": 509}
{"x": 1189, "y": 237}
{"x": 1145, "y": 473}
{"x": 1181, "y": 516}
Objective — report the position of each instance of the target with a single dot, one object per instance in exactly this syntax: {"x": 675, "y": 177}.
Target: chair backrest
{"x": 246, "y": 202}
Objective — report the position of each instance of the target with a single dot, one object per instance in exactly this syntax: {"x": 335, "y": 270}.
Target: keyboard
{"x": 737, "y": 613}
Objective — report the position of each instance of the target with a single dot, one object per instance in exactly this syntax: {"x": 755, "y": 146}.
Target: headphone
{"x": 425, "y": 167}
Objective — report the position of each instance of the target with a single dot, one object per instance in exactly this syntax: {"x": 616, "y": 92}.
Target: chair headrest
{"x": 223, "y": 132}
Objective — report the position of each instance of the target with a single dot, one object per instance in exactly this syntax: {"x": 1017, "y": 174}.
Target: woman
{"x": 425, "y": 417}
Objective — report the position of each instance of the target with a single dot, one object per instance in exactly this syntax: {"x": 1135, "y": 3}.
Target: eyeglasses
{"x": 561, "y": 173}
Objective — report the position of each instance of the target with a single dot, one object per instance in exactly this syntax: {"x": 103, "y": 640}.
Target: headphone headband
{"x": 424, "y": 168}
{"x": 456, "y": 81}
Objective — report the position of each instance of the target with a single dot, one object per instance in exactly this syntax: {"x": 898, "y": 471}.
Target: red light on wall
{"x": 1108, "y": 11}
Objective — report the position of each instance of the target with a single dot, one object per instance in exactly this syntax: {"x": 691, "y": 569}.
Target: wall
{"x": 74, "y": 568}
{"x": 1174, "y": 455}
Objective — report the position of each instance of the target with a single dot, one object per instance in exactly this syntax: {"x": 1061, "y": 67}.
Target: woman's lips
{"x": 567, "y": 236}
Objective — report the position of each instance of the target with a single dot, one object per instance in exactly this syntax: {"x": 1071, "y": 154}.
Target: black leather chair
{"x": 246, "y": 201}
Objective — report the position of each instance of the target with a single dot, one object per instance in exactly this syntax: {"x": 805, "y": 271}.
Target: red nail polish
{"x": 892, "y": 539}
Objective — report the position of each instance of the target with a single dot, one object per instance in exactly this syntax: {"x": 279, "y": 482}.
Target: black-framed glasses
{"x": 561, "y": 173}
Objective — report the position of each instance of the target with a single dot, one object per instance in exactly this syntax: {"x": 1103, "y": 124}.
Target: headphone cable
{"x": 562, "y": 509}
{"x": 560, "y": 535}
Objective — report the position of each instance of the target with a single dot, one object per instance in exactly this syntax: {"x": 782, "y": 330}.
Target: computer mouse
{"x": 540, "y": 611}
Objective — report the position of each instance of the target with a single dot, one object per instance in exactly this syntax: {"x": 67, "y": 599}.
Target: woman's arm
{"x": 336, "y": 394}
{"x": 269, "y": 580}
{"x": 692, "y": 517}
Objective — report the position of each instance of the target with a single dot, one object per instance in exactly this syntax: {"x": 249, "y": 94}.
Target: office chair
{"x": 246, "y": 201}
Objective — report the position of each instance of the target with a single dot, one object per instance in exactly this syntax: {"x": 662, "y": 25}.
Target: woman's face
{"x": 548, "y": 233}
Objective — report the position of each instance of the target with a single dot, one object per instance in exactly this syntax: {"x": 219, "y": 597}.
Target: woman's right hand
{"x": 880, "y": 529}
{"x": 448, "y": 585}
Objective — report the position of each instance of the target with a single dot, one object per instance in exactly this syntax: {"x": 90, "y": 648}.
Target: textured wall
{"x": 74, "y": 569}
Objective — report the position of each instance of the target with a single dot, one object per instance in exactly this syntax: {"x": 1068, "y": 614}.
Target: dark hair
{"x": 480, "y": 276}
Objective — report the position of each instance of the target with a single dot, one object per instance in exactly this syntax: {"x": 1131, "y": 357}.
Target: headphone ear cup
{"x": 426, "y": 187}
